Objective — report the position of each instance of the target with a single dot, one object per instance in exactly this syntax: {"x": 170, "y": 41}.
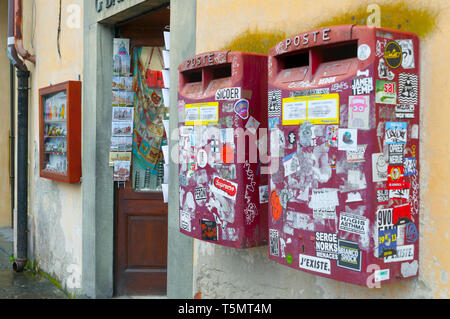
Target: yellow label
{"x": 317, "y": 109}
{"x": 202, "y": 113}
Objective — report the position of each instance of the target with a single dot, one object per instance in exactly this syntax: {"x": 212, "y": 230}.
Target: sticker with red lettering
{"x": 224, "y": 187}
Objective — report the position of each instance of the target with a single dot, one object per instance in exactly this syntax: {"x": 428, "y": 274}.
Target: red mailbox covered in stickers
{"x": 222, "y": 107}
{"x": 344, "y": 122}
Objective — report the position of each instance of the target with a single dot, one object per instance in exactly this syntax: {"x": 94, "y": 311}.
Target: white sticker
{"x": 347, "y": 139}
{"x": 323, "y": 198}
{"x": 363, "y": 52}
{"x": 185, "y": 221}
{"x": 224, "y": 187}
{"x": 379, "y": 167}
{"x": 316, "y": 264}
{"x": 353, "y": 223}
{"x": 403, "y": 253}
{"x": 228, "y": 94}
{"x": 381, "y": 275}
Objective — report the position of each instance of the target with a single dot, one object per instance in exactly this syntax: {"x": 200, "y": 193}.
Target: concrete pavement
{"x": 25, "y": 285}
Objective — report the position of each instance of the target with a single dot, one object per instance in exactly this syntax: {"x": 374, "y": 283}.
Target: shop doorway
{"x": 140, "y": 258}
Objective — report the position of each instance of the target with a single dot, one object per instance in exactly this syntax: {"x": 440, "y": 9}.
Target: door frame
{"x": 97, "y": 182}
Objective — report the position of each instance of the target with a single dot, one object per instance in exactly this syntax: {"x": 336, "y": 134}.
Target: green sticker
{"x": 386, "y": 92}
{"x": 289, "y": 259}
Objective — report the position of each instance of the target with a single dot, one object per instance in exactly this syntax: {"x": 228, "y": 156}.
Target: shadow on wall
{"x": 398, "y": 16}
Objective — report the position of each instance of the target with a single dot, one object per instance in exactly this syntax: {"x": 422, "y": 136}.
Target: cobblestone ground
{"x": 25, "y": 285}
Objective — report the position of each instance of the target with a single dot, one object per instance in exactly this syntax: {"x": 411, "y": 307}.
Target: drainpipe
{"x": 14, "y": 46}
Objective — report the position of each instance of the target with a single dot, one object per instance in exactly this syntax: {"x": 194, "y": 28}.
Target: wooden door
{"x": 141, "y": 217}
{"x": 141, "y": 243}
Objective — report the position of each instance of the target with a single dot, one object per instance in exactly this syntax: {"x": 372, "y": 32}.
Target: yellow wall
{"x": 54, "y": 208}
{"x": 219, "y": 22}
{"x": 5, "y": 188}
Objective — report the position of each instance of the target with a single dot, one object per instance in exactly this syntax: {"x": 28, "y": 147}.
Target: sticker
{"x": 263, "y": 194}
{"x": 353, "y": 197}
{"x": 387, "y": 242}
{"x": 317, "y": 109}
{"x": 224, "y": 187}
{"x": 396, "y": 133}
{"x": 404, "y": 111}
{"x": 382, "y": 196}
{"x": 349, "y": 255}
{"x": 399, "y": 194}
{"x": 305, "y": 133}
{"x": 275, "y": 206}
{"x": 410, "y": 166}
{"x": 332, "y": 136}
{"x": 227, "y": 107}
{"x": 358, "y": 155}
{"x": 315, "y": 264}
{"x": 274, "y": 242}
{"x": 289, "y": 259}
{"x": 324, "y": 213}
{"x": 409, "y": 269}
{"x": 209, "y": 230}
{"x": 185, "y": 221}
{"x": 408, "y": 53}
{"x": 202, "y": 158}
{"x": 396, "y": 154}
{"x": 384, "y": 72}
{"x": 292, "y": 137}
{"x": 324, "y": 198}
{"x": 411, "y": 233}
{"x": 274, "y": 103}
{"x": 348, "y": 139}
{"x": 200, "y": 193}
{"x": 363, "y": 52}
{"x": 393, "y": 55}
{"x": 386, "y": 92}
{"x": 252, "y": 125}
{"x": 385, "y": 218}
{"x": 408, "y": 88}
{"x": 227, "y": 154}
{"x": 242, "y": 108}
{"x": 395, "y": 177}
{"x": 401, "y": 212}
{"x": 362, "y": 86}
{"x": 326, "y": 245}
{"x": 358, "y": 112}
{"x": 291, "y": 164}
{"x": 228, "y": 94}
{"x": 273, "y": 123}
{"x": 202, "y": 113}
{"x": 353, "y": 223}
{"x": 381, "y": 275}
{"x": 403, "y": 253}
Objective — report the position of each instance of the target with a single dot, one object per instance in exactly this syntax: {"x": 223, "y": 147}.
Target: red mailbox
{"x": 222, "y": 107}
{"x": 344, "y": 125}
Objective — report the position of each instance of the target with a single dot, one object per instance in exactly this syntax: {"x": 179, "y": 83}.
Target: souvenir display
{"x": 58, "y": 140}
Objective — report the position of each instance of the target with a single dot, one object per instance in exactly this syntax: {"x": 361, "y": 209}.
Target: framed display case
{"x": 60, "y": 132}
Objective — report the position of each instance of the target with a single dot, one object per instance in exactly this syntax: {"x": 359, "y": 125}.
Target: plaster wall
{"x": 54, "y": 215}
{"x": 229, "y": 273}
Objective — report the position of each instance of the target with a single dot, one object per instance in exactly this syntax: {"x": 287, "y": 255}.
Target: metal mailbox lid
{"x": 222, "y": 191}
{"x": 345, "y": 188}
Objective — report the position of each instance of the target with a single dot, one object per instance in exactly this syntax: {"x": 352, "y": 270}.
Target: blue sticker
{"x": 387, "y": 242}
{"x": 411, "y": 233}
{"x": 409, "y": 166}
{"x": 396, "y": 133}
{"x": 273, "y": 122}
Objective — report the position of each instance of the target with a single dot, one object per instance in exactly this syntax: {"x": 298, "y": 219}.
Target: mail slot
{"x": 343, "y": 108}
{"x": 222, "y": 107}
